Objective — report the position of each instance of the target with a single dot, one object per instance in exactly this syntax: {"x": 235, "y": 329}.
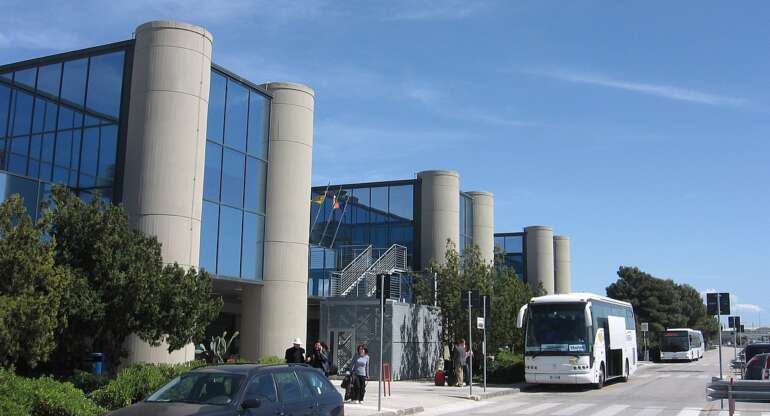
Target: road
{"x": 669, "y": 389}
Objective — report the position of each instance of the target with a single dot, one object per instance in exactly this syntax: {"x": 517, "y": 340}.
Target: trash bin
{"x": 97, "y": 360}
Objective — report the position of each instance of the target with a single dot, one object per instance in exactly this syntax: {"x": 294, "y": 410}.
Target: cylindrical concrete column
{"x": 439, "y": 213}
{"x": 484, "y": 224}
{"x": 166, "y": 142}
{"x": 165, "y": 152}
{"x": 540, "y": 257}
{"x": 562, "y": 264}
{"x": 282, "y": 305}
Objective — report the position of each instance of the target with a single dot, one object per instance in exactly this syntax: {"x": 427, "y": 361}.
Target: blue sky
{"x": 639, "y": 130}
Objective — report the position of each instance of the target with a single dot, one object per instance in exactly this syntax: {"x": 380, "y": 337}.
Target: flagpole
{"x": 342, "y": 217}
{"x": 329, "y": 220}
{"x": 320, "y": 206}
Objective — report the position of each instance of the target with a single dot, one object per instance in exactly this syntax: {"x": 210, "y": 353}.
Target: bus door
{"x": 617, "y": 341}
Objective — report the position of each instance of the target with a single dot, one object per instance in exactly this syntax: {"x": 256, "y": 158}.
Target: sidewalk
{"x": 410, "y": 397}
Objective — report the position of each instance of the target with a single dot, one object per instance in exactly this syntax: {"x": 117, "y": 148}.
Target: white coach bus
{"x": 681, "y": 344}
{"x": 579, "y": 338}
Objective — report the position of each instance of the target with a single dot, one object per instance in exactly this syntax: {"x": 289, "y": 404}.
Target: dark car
{"x": 753, "y": 349}
{"x": 758, "y": 368}
{"x": 243, "y": 389}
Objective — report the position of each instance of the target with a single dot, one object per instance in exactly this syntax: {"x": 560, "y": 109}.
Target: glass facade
{"x": 466, "y": 222}
{"x": 59, "y": 123}
{"x": 322, "y": 263}
{"x": 510, "y": 249}
{"x": 235, "y": 179}
{"x": 355, "y": 216}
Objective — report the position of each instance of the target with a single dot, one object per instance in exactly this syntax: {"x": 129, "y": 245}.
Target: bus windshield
{"x": 675, "y": 341}
{"x": 559, "y": 328}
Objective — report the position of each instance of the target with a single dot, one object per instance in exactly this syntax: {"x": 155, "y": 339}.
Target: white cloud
{"x": 659, "y": 90}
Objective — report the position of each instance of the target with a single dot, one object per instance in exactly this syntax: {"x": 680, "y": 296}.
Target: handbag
{"x": 345, "y": 382}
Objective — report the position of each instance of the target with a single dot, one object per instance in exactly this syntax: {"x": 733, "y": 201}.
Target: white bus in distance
{"x": 681, "y": 344}
{"x": 578, "y": 338}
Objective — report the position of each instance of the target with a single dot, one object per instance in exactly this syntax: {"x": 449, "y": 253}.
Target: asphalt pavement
{"x": 667, "y": 389}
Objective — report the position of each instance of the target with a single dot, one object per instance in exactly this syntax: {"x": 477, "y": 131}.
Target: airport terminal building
{"x": 219, "y": 169}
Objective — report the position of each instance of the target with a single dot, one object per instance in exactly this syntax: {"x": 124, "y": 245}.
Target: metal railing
{"x": 738, "y": 390}
{"x": 344, "y": 280}
{"x": 359, "y": 278}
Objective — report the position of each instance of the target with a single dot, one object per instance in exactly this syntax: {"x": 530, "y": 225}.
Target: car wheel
{"x": 599, "y": 384}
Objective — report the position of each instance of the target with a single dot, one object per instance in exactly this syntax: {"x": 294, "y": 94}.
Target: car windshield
{"x": 674, "y": 341}
{"x": 557, "y": 328}
{"x": 201, "y": 388}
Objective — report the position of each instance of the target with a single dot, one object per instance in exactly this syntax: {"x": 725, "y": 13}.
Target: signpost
{"x": 472, "y": 299}
{"x": 645, "y": 330}
{"x": 383, "y": 292}
{"x": 734, "y": 322}
{"x": 483, "y": 321}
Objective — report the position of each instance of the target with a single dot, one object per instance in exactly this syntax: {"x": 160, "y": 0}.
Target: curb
{"x": 484, "y": 396}
{"x": 400, "y": 412}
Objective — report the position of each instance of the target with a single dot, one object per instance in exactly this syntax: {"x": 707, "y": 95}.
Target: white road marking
{"x": 573, "y": 409}
{"x": 689, "y": 412}
{"x": 684, "y": 375}
{"x": 612, "y": 410}
{"x": 500, "y": 407}
{"x": 650, "y": 411}
{"x": 644, "y": 375}
{"x": 537, "y": 409}
{"x": 664, "y": 375}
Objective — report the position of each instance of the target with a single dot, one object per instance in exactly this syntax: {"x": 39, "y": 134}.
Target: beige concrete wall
{"x": 562, "y": 264}
{"x": 540, "y": 261}
{"x": 439, "y": 213}
{"x": 275, "y": 314}
{"x": 484, "y": 224}
{"x": 165, "y": 152}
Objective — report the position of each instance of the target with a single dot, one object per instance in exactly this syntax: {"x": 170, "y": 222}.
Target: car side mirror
{"x": 251, "y": 403}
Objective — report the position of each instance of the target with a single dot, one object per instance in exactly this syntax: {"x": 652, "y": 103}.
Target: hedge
{"x": 44, "y": 396}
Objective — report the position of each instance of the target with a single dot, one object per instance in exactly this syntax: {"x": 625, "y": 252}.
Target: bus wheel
{"x": 626, "y": 371}
{"x": 598, "y": 385}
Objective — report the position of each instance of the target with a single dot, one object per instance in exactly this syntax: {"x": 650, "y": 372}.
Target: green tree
{"x": 31, "y": 288}
{"x": 661, "y": 302}
{"x": 456, "y": 274}
{"x": 121, "y": 285}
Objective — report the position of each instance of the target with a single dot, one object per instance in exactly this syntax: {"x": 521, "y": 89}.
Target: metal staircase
{"x": 359, "y": 278}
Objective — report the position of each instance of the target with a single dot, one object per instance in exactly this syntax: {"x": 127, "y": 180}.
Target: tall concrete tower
{"x": 276, "y": 313}
{"x": 484, "y": 224}
{"x": 440, "y": 213}
{"x": 540, "y": 262}
{"x": 562, "y": 264}
{"x": 165, "y": 150}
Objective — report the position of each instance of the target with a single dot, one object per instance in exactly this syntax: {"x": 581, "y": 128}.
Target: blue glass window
{"x": 213, "y": 173}
{"x": 209, "y": 231}
{"x": 105, "y": 82}
{"x": 89, "y": 158}
{"x": 73, "y": 87}
{"x": 402, "y": 203}
{"x": 108, "y": 149}
{"x": 26, "y": 77}
{"x": 26, "y": 188}
{"x": 229, "y": 249}
{"x": 50, "y": 116}
{"x": 256, "y": 182}
{"x": 216, "y": 116}
{"x": 253, "y": 246}
{"x": 5, "y": 104}
{"x": 237, "y": 109}
{"x": 23, "y": 114}
{"x": 48, "y": 79}
{"x": 232, "y": 177}
{"x": 379, "y": 204}
{"x": 259, "y": 125}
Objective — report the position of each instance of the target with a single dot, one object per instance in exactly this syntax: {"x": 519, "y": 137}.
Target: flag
{"x": 319, "y": 199}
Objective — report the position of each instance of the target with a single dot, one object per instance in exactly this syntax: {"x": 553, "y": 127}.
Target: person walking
{"x": 295, "y": 354}
{"x": 318, "y": 358}
{"x": 359, "y": 375}
{"x": 458, "y": 361}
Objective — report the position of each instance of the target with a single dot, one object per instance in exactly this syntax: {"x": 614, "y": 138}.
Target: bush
{"x": 42, "y": 396}
{"x": 271, "y": 360}
{"x": 136, "y": 382}
{"x": 87, "y": 381}
{"x": 506, "y": 368}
